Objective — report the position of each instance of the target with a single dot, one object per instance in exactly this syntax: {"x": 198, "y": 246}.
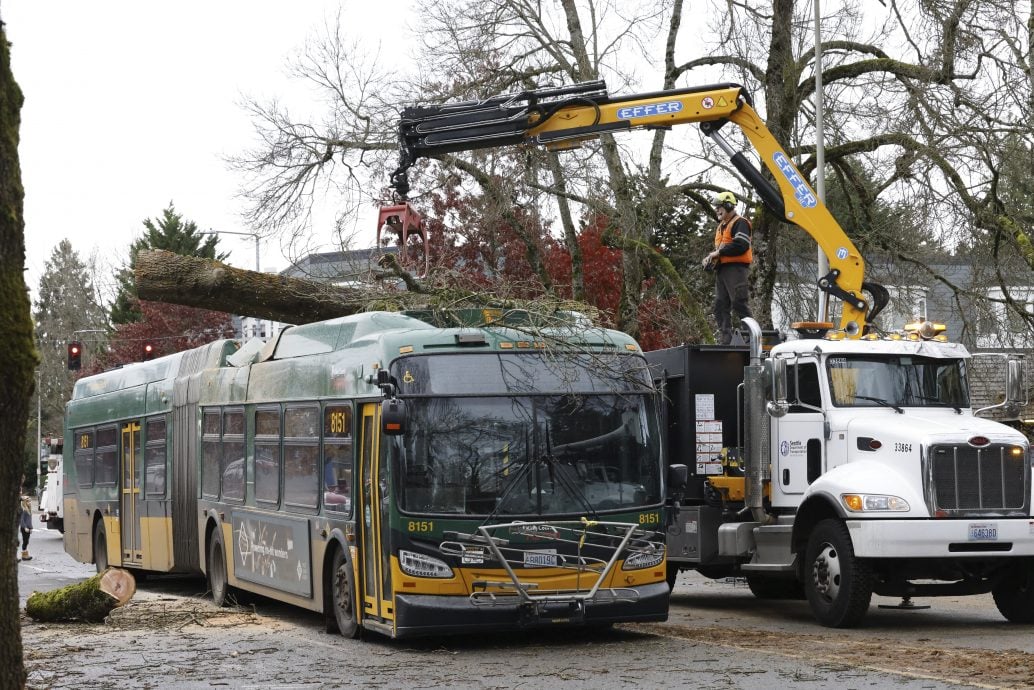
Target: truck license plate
{"x": 983, "y": 531}
{"x": 544, "y": 558}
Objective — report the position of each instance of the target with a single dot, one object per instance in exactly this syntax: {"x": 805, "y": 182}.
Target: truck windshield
{"x": 897, "y": 380}
{"x": 593, "y": 447}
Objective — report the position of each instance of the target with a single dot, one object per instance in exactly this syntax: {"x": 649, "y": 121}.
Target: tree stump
{"x": 89, "y": 601}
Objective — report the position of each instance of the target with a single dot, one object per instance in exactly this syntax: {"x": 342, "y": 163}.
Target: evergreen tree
{"x": 66, "y": 309}
{"x": 172, "y": 233}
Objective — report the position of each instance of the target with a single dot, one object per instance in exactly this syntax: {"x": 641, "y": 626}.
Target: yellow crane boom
{"x": 565, "y": 116}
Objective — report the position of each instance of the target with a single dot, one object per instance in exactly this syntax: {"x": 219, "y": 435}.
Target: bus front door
{"x": 374, "y": 506}
{"x": 132, "y": 461}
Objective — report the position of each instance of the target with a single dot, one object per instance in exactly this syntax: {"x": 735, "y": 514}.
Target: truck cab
{"x": 847, "y": 468}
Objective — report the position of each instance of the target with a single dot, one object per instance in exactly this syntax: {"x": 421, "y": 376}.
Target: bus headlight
{"x": 637, "y": 560}
{"x": 419, "y": 565}
{"x": 876, "y": 503}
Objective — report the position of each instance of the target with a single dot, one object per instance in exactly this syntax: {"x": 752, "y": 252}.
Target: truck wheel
{"x": 342, "y": 597}
{"x": 100, "y": 547}
{"x": 838, "y": 585}
{"x": 1014, "y": 595}
{"x": 217, "y": 582}
{"x": 775, "y": 588}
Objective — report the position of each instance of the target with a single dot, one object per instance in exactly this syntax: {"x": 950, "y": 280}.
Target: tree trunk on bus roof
{"x": 167, "y": 277}
{"x": 89, "y": 601}
{"x": 17, "y": 363}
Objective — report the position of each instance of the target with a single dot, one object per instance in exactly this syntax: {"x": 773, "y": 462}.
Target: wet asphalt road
{"x": 271, "y": 645}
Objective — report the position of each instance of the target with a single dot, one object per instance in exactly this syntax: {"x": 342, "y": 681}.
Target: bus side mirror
{"x": 393, "y": 417}
{"x": 678, "y": 477}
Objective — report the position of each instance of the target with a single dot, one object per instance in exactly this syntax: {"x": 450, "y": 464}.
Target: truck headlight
{"x": 419, "y": 565}
{"x": 637, "y": 560}
{"x": 875, "y": 503}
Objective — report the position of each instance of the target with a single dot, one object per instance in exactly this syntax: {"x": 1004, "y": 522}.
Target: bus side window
{"x": 84, "y": 458}
{"x": 301, "y": 456}
{"x": 105, "y": 468}
{"x": 210, "y": 453}
{"x": 233, "y": 455}
{"x": 154, "y": 458}
{"x": 337, "y": 458}
{"x": 267, "y": 455}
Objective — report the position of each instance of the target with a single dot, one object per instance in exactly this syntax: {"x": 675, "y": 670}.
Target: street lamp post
{"x": 247, "y": 234}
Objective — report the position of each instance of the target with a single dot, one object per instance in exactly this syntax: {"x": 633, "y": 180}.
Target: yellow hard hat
{"x": 728, "y": 200}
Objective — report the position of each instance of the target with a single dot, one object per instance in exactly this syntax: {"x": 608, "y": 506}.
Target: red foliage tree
{"x": 171, "y": 328}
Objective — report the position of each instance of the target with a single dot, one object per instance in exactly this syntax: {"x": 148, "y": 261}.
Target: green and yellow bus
{"x": 395, "y": 475}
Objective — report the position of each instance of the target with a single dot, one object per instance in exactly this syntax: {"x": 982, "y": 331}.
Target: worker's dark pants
{"x": 730, "y": 291}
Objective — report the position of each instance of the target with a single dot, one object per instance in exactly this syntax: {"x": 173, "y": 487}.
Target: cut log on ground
{"x": 89, "y": 601}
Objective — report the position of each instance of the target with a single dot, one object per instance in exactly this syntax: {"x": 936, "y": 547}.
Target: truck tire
{"x": 1014, "y": 595}
{"x": 838, "y": 585}
{"x": 775, "y": 587}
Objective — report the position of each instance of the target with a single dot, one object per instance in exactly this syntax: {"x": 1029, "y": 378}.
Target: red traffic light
{"x": 148, "y": 351}
{"x": 75, "y": 355}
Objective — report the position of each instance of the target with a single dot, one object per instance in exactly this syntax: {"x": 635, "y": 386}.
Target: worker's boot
{"x": 26, "y": 556}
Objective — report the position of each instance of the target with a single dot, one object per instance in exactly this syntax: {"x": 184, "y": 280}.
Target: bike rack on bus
{"x": 622, "y": 538}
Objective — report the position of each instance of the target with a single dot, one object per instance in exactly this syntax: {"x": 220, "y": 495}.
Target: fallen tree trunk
{"x": 191, "y": 281}
{"x": 89, "y": 601}
{"x": 163, "y": 276}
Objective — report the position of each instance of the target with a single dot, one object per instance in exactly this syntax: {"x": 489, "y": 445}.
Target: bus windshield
{"x": 898, "y": 380}
{"x": 591, "y": 448}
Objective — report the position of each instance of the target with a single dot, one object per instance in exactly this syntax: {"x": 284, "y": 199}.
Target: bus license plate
{"x": 542, "y": 558}
{"x": 983, "y": 531}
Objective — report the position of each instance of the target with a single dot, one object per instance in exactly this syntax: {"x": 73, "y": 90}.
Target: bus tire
{"x": 343, "y": 596}
{"x": 100, "y": 546}
{"x": 838, "y": 585}
{"x": 1014, "y": 595}
{"x": 217, "y": 580}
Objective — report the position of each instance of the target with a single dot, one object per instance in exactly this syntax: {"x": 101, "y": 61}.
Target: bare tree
{"x": 924, "y": 100}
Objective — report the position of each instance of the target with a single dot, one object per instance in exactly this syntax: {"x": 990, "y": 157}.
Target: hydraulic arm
{"x": 565, "y": 116}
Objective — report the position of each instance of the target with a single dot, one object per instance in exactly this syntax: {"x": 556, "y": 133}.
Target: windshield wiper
{"x": 880, "y": 401}
{"x": 958, "y": 409}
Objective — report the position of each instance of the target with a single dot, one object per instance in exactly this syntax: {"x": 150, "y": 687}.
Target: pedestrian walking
{"x": 25, "y": 525}
{"x": 730, "y": 262}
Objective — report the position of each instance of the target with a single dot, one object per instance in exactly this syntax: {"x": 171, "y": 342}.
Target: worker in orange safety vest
{"x": 730, "y": 261}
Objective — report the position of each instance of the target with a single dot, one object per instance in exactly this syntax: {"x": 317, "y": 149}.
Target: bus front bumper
{"x": 423, "y": 614}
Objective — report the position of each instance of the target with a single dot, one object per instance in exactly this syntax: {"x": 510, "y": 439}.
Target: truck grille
{"x": 978, "y": 480}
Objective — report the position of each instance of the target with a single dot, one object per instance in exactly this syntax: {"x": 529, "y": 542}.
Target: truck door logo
{"x": 784, "y": 448}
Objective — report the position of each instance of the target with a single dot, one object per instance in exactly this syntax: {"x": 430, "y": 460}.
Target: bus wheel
{"x": 100, "y": 547}
{"x": 838, "y": 585}
{"x": 342, "y": 587}
{"x": 217, "y": 571}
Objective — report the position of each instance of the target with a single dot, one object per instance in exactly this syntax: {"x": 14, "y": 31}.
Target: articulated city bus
{"x": 395, "y": 475}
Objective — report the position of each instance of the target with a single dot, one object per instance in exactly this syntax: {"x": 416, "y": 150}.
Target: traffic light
{"x": 75, "y": 355}
{"x": 148, "y": 350}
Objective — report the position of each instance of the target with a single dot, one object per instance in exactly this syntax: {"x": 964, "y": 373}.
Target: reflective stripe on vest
{"x": 723, "y": 235}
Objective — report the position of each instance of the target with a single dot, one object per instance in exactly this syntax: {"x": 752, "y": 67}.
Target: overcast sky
{"x": 132, "y": 104}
